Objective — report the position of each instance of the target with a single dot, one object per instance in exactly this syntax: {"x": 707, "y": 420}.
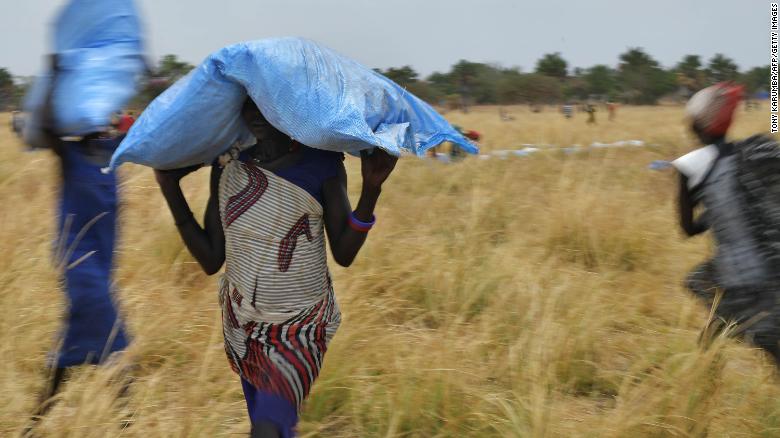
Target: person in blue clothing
{"x": 84, "y": 252}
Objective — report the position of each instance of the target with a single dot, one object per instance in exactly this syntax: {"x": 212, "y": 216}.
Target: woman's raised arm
{"x": 347, "y": 230}
{"x": 207, "y": 243}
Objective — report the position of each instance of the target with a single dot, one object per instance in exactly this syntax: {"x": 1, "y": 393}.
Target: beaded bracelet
{"x": 360, "y": 226}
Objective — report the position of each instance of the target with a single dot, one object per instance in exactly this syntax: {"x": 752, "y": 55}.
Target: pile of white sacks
{"x": 530, "y": 149}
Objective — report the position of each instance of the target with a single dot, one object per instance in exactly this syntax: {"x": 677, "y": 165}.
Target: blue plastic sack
{"x": 100, "y": 60}
{"x": 316, "y": 96}
{"x": 659, "y": 165}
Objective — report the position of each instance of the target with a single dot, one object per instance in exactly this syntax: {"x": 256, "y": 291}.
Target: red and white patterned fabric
{"x": 278, "y": 307}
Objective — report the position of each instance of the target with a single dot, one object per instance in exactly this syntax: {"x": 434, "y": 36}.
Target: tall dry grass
{"x": 528, "y": 297}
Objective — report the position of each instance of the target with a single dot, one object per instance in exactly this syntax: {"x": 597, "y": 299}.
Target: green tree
{"x": 575, "y": 86}
{"x": 425, "y": 91}
{"x": 7, "y": 89}
{"x": 600, "y": 80}
{"x": 169, "y": 70}
{"x": 722, "y": 68}
{"x": 475, "y": 82}
{"x": 641, "y": 78}
{"x": 20, "y": 90}
{"x": 464, "y": 77}
{"x": 553, "y": 65}
{"x": 690, "y": 74}
{"x": 150, "y": 89}
{"x": 402, "y": 76}
{"x": 442, "y": 83}
{"x": 756, "y": 79}
{"x": 486, "y": 88}
{"x": 172, "y": 69}
{"x": 535, "y": 88}
{"x": 509, "y": 88}
{"x": 407, "y": 78}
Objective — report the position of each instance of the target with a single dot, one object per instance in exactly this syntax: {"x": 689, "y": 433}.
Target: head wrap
{"x": 712, "y": 108}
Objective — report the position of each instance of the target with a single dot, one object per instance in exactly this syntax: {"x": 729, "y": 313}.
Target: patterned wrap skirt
{"x": 278, "y": 354}
{"x": 278, "y": 308}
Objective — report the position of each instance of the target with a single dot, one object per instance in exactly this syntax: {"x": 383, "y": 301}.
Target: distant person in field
{"x": 456, "y": 153}
{"x": 591, "y": 110}
{"x": 17, "y": 122}
{"x": 87, "y": 226}
{"x": 738, "y": 185}
{"x": 270, "y": 210}
{"x": 612, "y": 110}
{"x": 567, "y": 110}
{"x": 126, "y": 121}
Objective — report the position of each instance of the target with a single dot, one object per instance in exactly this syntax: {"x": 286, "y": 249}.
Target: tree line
{"x": 636, "y": 79}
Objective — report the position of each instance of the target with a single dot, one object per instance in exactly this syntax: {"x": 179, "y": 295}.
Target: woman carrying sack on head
{"x": 270, "y": 210}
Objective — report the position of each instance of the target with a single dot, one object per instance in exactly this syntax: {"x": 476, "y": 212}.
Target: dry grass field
{"x": 520, "y": 297}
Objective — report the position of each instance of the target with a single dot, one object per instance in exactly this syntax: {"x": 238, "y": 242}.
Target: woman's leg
{"x": 264, "y": 429}
{"x": 755, "y": 310}
{"x": 54, "y": 381}
{"x": 701, "y": 282}
{"x": 763, "y": 326}
{"x": 271, "y": 415}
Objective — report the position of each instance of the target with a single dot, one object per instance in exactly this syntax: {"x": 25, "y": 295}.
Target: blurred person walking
{"x": 126, "y": 121}
{"x": 738, "y": 184}
{"x": 88, "y": 200}
{"x": 591, "y": 110}
{"x": 87, "y": 222}
{"x": 612, "y": 110}
{"x": 567, "y": 110}
{"x": 17, "y": 122}
{"x": 266, "y": 220}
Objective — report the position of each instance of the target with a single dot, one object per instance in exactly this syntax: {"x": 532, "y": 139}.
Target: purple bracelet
{"x": 358, "y": 225}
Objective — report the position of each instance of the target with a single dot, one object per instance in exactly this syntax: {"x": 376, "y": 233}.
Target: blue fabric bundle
{"x": 311, "y": 93}
{"x": 100, "y": 59}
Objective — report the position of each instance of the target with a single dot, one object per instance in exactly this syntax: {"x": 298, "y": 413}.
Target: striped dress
{"x": 278, "y": 308}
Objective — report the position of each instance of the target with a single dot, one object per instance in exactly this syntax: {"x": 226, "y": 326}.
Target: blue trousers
{"x": 87, "y": 226}
{"x": 271, "y": 408}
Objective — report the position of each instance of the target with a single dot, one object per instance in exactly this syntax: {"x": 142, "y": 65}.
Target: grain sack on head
{"x": 311, "y": 93}
{"x": 99, "y": 57}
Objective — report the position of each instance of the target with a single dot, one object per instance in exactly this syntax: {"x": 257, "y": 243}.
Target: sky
{"x": 429, "y": 35}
